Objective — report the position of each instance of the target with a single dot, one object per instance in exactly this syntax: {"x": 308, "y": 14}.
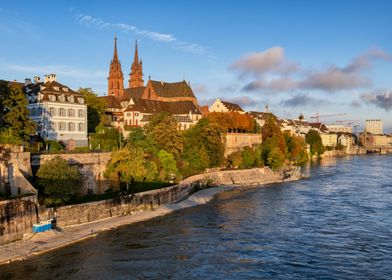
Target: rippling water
{"x": 335, "y": 225}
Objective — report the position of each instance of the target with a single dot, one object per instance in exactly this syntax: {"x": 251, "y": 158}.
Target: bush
{"x": 275, "y": 159}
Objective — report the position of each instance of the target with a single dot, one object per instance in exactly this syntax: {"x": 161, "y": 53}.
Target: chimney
{"x": 27, "y": 81}
{"x": 52, "y": 77}
{"x": 37, "y": 80}
{"x": 46, "y": 78}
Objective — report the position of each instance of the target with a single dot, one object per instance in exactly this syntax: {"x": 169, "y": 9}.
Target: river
{"x": 335, "y": 225}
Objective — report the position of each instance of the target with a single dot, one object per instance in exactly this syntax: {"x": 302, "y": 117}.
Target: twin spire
{"x": 116, "y": 79}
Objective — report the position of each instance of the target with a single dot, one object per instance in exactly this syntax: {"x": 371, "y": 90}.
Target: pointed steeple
{"x": 115, "y": 56}
{"x": 116, "y": 78}
{"x": 136, "y": 75}
{"x": 136, "y": 56}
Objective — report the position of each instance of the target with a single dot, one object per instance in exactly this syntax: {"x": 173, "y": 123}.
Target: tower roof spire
{"x": 115, "y": 56}
{"x": 136, "y": 58}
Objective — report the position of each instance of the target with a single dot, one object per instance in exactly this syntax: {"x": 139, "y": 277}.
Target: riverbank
{"x": 39, "y": 243}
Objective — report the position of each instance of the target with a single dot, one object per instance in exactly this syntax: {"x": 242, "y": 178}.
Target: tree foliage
{"x": 296, "y": 148}
{"x": 275, "y": 159}
{"x": 105, "y": 138}
{"x": 95, "y": 108}
{"x": 15, "y": 122}
{"x": 169, "y": 165}
{"x": 127, "y": 165}
{"x": 313, "y": 138}
{"x": 163, "y": 130}
{"x": 58, "y": 180}
{"x": 233, "y": 121}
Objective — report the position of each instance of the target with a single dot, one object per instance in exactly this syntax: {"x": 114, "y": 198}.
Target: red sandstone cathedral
{"x": 133, "y": 106}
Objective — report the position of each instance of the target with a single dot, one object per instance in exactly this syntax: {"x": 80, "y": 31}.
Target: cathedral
{"x": 134, "y": 106}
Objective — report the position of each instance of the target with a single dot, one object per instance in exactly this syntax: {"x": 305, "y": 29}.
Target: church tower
{"x": 136, "y": 75}
{"x": 116, "y": 78}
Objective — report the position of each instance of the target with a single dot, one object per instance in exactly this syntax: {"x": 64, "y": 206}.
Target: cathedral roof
{"x": 134, "y": 93}
{"x": 178, "y": 89}
{"x": 111, "y": 101}
{"x": 156, "y": 107}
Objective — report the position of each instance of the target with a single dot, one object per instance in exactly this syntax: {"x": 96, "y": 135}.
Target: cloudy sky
{"x": 326, "y": 57}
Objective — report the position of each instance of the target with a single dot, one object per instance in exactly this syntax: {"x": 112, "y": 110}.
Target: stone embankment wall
{"x": 16, "y": 218}
{"x": 18, "y": 215}
{"x": 91, "y": 166}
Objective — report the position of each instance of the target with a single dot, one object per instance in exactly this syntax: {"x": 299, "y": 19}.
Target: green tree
{"x": 14, "y": 113}
{"x": 106, "y": 138}
{"x": 235, "y": 159}
{"x": 313, "y": 138}
{"x": 95, "y": 108}
{"x": 58, "y": 180}
{"x": 169, "y": 165}
{"x": 127, "y": 165}
{"x": 248, "y": 158}
{"x": 296, "y": 148}
{"x": 163, "y": 129}
{"x": 138, "y": 138}
{"x": 275, "y": 159}
{"x": 271, "y": 129}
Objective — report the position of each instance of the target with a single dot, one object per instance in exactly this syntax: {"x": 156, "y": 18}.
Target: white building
{"x": 329, "y": 139}
{"x": 59, "y": 112}
{"x": 374, "y": 126}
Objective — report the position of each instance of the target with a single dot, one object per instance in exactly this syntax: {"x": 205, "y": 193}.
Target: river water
{"x": 335, "y": 225}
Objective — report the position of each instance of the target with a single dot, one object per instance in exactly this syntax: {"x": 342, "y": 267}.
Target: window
{"x": 80, "y": 100}
{"x": 39, "y": 111}
{"x": 81, "y": 127}
{"x": 33, "y": 112}
{"x": 80, "y": 113}
{"x": 71, "y": 112}
{"x": 71, "y": 126}
{"x": 136, "y": 114}
{"x": 128, "y": 114}
{"x": 52, "y": 98}
{"x": 62, "y": 98}
{"x": 52, "y": 111}
{"x": 62, "y": 112}
{"x": 71, "y": 99}
{"x": 52, "y": 126}
{"x": 62, "y": 126}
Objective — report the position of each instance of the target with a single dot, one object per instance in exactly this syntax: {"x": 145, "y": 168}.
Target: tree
{"x": 95, "y": 108}
{"x": 233, "y": 121}
{"x": 163, "y": 129}
{"x": 301, "y": 117}
{"x": 248, "y": 157}
{"x": 15, "y": 117}
{"x": 128, "y": 165}
{"x": 275, "y": 159}
{"x": 58, "y": 180}
{"x": 235, "y": 159}
{"x": 105, "y": 138}
{"x": 313, "y": 138}
{"x": 296, "y": 148}
{"x": 169, "y": 165}
{"x": 138, "y": 138}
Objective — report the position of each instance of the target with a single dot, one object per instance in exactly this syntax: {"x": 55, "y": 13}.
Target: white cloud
{"x": 90, "y": 21}
{"x": 379, "y": 98}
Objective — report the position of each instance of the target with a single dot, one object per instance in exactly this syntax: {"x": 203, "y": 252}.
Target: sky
{"x": 326, "y": 57}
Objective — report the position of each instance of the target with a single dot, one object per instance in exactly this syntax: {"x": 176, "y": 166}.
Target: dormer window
{"x": 52, "y": 98}
{"x": 71, "y": 99}
{"x": 65, "y": 89}
{"x": 40, "y": 95}
{"x": 81, "y": 100}
{"x": 56, "y": 88}
{"x": 62, "y": 98}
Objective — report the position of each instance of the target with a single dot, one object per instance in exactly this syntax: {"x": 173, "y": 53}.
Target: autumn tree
{"x": 163, "y": 129}
{"x": 95, "y": 108}
{"x": 233, "y": 121}
{"x": 127, "y": 165}
{"x": 169, "y": 165}
{"x": 296, "y": 148}
{"x": 58, "y": 180}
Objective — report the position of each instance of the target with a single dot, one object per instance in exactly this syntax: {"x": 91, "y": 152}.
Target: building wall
{"x": 218, "y": 106}
{"x": 236, "y": 141}
{"x": 374, "y": 126}
{"x": 340, "y": 128}
{"x": 53, "y": 126}
{"x": 329, "y": 140}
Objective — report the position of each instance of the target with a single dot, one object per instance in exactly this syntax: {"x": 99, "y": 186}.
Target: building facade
{"x": 225, "y": 107}
{"x": 59, "y": 112}
{"x": 374, "y": 126}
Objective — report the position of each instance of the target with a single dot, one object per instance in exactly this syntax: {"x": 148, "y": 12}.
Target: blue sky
{"x": 296, "y": 56}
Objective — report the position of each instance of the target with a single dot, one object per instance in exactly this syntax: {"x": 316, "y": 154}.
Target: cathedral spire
{"x": 136, "y": 57}
{"x": 136, "y": 75}
{"x": 116, "y": 78}
{"x": 115, "y": 56}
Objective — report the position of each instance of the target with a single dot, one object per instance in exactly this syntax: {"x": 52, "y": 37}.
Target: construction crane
{"x": 318, "y": 116}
